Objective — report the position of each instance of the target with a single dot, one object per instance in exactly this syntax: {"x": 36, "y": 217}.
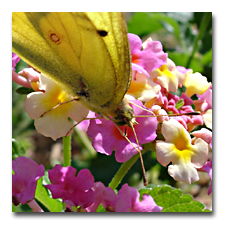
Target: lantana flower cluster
{"x": 78, "y": 191}
{"x": 155, "y": 79}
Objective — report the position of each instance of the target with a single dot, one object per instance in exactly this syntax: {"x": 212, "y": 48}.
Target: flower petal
{"x": 200, "y": 155}
{"x": 173, "y": 131}
{"x": 165, "y": 152}
{"x": 207, "y": 117}
{"x": 54, "y": 126}
{"x": 183, "y": 172}
{"x": 143, "y": 88}
{"x": 24, "y": 179}
{"x": 195, "y": 83}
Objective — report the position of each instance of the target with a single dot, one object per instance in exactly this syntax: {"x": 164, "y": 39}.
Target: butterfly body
{"x": 86, "y": 53}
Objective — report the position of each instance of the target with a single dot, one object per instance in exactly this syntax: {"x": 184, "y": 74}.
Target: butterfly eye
{"x": 103, "y": 33}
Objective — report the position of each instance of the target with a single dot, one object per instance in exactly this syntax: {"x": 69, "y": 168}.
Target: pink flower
{"x": 157, "y": 110}
{"x": 142, "y": 87}
{"x": 85, "y": 123}
{"x": 24, "y": 180}
{"x": 204, "y": 134}
{"x": 182, "y": 69}
{"x": 104, "y": 196}
{"x": 204, "y": 101}
{"x": 73, "y": 190}
{"x": 148, "y": 59}
{"x": 208, "y": 168}
{"x": 171, "y": 105}
{"x": 158, "y": 100}
{"x": 106, "y": 137}
{"x": 128, "y": 201}
{"x": 15, "y": 60}
{"x": 168, "y": 76}
{"x": 27, "y": 77}
{"x": 32, "y": 77}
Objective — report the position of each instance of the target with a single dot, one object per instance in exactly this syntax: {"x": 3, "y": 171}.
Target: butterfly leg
{"x": 80, "y": 122}
{"x": 74, "y": 99}
{"x": 138, "y": 149}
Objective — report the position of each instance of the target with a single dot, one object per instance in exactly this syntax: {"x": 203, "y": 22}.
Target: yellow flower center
{"x": 183, "y": 147}
{"x": 164, "y": 71}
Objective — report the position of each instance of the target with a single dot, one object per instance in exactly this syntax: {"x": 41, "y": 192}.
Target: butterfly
{"x": 85, "y": 52}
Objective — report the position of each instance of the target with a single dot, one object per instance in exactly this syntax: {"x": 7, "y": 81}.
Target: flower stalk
{"x": 203, "y": 26}
{"x": 66, "y": 151}
{"x": 123, "y": 170}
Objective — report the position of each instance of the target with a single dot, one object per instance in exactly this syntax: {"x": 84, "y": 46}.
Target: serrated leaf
{"x": 172, "y": 200}
{"x": 41, "y": 194}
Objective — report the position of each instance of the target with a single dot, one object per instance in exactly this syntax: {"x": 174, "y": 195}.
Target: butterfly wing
{"x": 87, "y": 53}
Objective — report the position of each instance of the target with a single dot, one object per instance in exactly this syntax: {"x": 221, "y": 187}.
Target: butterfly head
{"x": 124, "y": 114}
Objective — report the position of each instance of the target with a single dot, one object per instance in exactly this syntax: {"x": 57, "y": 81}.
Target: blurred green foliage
{"x": 178, "y": 33}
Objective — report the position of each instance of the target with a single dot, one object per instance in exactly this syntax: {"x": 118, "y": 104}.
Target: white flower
{"x": 177, "y": 148}
{"x": 49, "y": 121}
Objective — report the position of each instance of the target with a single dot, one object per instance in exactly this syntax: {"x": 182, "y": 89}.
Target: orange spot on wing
{"x": 54, "y": 37}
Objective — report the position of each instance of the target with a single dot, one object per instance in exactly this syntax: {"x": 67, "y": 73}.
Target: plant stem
{"x": 86, "y": 142}
{"x": 204, "y": 23}
{"x": 34, "y": 206}
{"x": 123, "y": 170}
{"x": 66, "y": 151}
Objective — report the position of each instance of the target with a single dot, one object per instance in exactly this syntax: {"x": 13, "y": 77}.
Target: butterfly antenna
{"x": 170, "y": 115}
{"x": 195, "y": 113}
{"x": 80, "y": 122}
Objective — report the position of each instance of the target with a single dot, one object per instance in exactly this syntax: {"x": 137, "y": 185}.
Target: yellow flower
{"x": 51, "y": 119}
{"x": 207, "y": 118}
{"x": 177, "y": 148}
{"x": 142, "y": 87}
{"x": 195, "y": 83}
{"x": 168, "y": 76}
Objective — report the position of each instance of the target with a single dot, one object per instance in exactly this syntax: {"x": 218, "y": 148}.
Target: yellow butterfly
{"x": 86, "y": 52}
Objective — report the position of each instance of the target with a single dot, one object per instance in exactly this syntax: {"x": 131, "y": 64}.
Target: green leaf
{"x": 17, "y": 149}
{"x": 182, "y": 58}
{"x": 172, "y": 199}
{"x": 207, "y": 58}
{"x": 101, "y": 209}
{"x": 143, "y": 23}
{"x": 24, "y": 90}
{"x": 179, "y": 104}
{"x": 41, "y": 194}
